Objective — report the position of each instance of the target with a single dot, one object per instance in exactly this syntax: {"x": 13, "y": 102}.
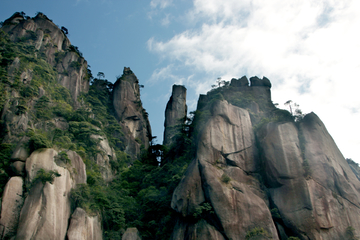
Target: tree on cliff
{"x": 100, "y": 75}
{"x": 64, "y": 30}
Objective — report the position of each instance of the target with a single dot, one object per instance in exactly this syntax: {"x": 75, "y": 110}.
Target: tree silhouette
{"x": 100, "y": 75}
{"x": 64, "y": 30}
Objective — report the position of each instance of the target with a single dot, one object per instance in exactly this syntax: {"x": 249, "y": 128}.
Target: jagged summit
{"x": 46, "y": 37}
{"x": 130, "y": 113}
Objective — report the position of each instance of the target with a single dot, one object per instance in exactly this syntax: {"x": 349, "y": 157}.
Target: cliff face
{"x": 130, "y": 113}
{"x": 264, "y": 179}
{"x": 52, "y": 43}
{"x": 175, "y": 114}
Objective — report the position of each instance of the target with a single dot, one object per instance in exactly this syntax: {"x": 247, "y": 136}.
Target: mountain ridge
{"x": 77, "y": 151}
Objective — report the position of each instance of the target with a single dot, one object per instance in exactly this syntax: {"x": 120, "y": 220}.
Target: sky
{"x": 309, "y": 49}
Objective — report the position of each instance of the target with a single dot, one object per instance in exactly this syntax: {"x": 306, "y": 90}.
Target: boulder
{"x": 200, "y": 231}
{"x": 131, "y": 234}
{"x": 241, "y": 82}
{"x": 257, "y": 82}
{"x": 83, "y": 226}
{"x": 46, "y": 210}
{"x": 18, "y": 168}
{"x": 11, "y": 204}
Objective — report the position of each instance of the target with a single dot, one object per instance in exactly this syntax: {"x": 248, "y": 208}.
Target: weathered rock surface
{"x": 222, "y": 176}
{"x": 131, "y": 234}
{"x": 200, "y": 231}
{"x": 48, "y": 38}
{"x": 130, "y": 113}
{"x": 285, "y": 176}
{"x": 11, "y": 204}
{"x": 334, "y": 188}
{"x": 241, "y": 82}
{"x": 46, "y": 209}
{"x": 103, "y": 159}
{"x": 84, "y": 227}
{"x": 175, "y": 114}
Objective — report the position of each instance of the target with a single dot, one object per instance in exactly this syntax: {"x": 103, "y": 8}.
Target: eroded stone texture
{"x": 226, "y": 160}
{"x": 308, "y": 179}
{"x": 130, "y": 113}
{"x": 84, "y": 227}
{"x": 11, "y": 204}
{"x": 131, "y": 234}
{"x": 51, "y": 40}
{"x": 46, "y": 209}
{"x": 175, "y": 114}
{"x": 103, "y": 159}
{"x": 199, "y": 231}
{"x": 334, "y": 188}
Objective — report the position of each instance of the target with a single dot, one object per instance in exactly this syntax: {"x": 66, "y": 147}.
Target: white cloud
{"x": 160, "y": 3}
{"x": 308, "y": 49}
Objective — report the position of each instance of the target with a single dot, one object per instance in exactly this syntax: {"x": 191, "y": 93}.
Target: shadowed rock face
{"x": 175, "y": 114}
{"x": 130, "y": 113}
{"x": 131, "y": 234}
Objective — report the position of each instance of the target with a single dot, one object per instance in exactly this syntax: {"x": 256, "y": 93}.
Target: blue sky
{"x": 308, "y": 49}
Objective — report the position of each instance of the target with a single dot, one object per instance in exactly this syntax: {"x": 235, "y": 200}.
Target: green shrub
{"x": 46, "y": 176}
{"x": 293, "y": 238}
{"x": 20, "y": 109}
{"x": 225, "y": 178}
{"x": 350, "y": 233}
{"x": 202, "y": 210}
{"x": 257, "y": 231}
{"x": 307, "y": 169}
{"x": 38, "y": 141}
{"x": 75, "y": 64}
{"x": 275, "y": 213}
{"x": 62, "y": 156}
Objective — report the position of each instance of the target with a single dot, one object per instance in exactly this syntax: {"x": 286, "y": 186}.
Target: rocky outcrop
{"x": 11, "y": 204}
{"x": 220, "y": 185}
{"x": 83, "y": 226}
{"x": 46, "y": 210}
{"x": 131, "y": 234}
{"x": 130, "y": 113}
{"x": 103, "y": 158}
{"x": 175, "y": 114}
{"x": 293, "y": 169}
{"x": 241, "y": 82}
{"x": 283, "y": 171}
{"x": 49, "y": 40}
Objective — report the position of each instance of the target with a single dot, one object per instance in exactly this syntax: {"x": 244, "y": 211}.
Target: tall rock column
{"x": 130, "y": 113}
{"x": 175, "y": 113}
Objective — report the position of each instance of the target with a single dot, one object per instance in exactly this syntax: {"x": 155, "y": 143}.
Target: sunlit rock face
{"x": 130, "y": 113}
{"x": 83, "y": 226}
{"x": 287, "y": 178}
{"x": 49, "y": 40}
{"x": 46, "y": 210}
{"x": 223, "y": 177}
{"x": 175, "y": 114}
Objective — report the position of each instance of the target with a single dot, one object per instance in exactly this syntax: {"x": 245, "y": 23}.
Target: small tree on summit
{"x": 100, "y": 75}
{"x": 64, "y": 30}
{"x": 297, "y": 114}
